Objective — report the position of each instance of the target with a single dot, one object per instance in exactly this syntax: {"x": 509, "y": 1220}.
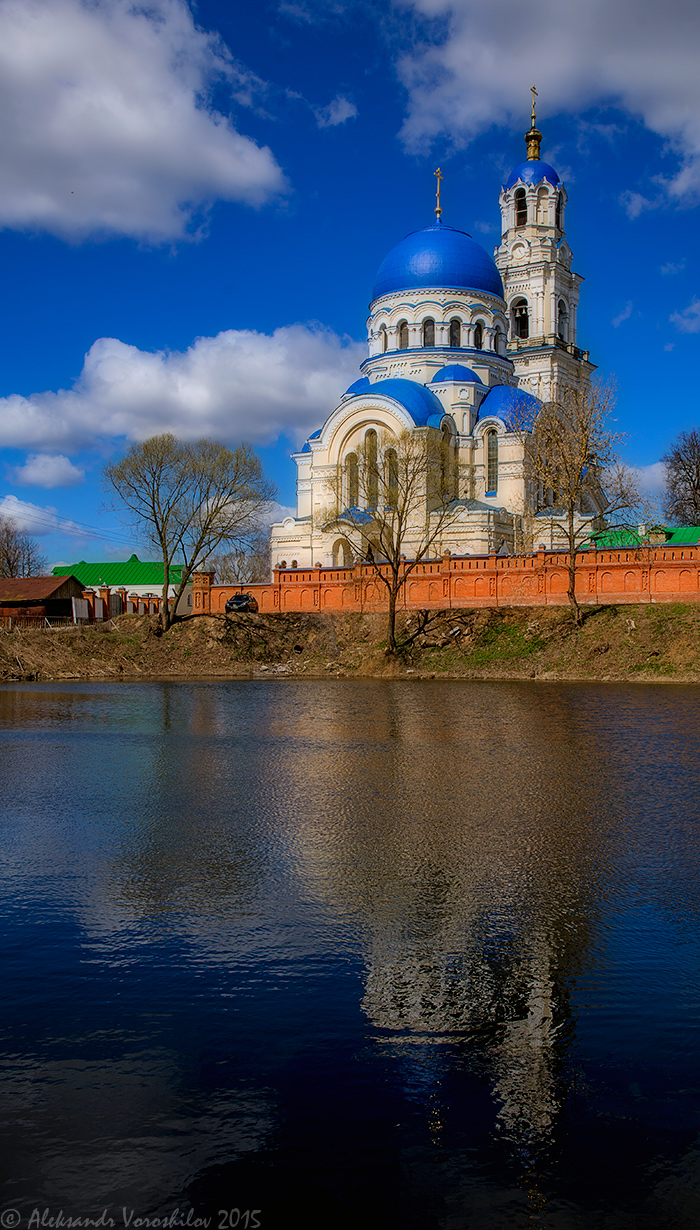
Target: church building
{"x": 458, "y": 343}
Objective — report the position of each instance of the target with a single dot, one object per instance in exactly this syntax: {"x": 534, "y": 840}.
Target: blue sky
{"x": 194, "y": 202}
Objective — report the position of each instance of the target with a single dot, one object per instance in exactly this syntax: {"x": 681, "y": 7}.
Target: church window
{"x": 391, "y": 475}
{"x": 520, "y": 207}
{"x": 479, "y": 336}
{"x": 521, "y": 322}
{"x": 492, "y": 463}
{"x": 372, "y": 471}
{"x": 559, "y": 212}
{"x": 543, "y": 206}
{"x": 403, "y": 335}
{"x": 429, "y": 333}
{"x": 294, "y": 564}
{"x": 447, "y": 484}
{"x": 352, "y": 480}
{"x": 283, "y": 563}
{"x": 383, "y": 339}
{"x": 455, "y": 332}
{"x": 563, "y": 321}
{"x": 341, "y": 554}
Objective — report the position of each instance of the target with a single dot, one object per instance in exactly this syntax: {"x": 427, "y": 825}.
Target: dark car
{"x": 240, "y": 602}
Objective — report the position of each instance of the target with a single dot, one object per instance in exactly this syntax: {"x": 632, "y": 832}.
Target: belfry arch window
{"x": 391, "y": 477}
{"x": 563, "y": 321}
{"x": 372, "y": 471}
{"x": 352, "y": 480}
{"x": 559, "y": 218}
{"x": 521, "y": 321}
{"x": 428, "y": 332}
{"x": 520, "y": 207}
{"x": 491, "y": 463}
{"x": 543, "y": 206}
{"x": 455, "y": 332}
{"x": 383, "y": 340}
{"x": 403, "y": 335}
{"x": 479, "y": 336}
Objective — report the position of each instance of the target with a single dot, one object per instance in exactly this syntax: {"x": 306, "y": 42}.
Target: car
{"x": 240, "y": 602}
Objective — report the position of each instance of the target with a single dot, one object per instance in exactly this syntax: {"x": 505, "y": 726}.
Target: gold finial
{"x": 534, "y": 136}
{"x": 439, "y": 176}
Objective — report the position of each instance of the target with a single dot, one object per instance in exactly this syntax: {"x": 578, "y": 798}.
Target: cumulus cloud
{"x": 35, "y": 520}
{"x": 337, "y": 112}
{"x": 239, "y": 384}
{"x": 652, "y": 479}
{"x": 688, "y": 321}
{"x": 47, "y": 470}
{"x": 107, "y": 124}
{"x": 623, "y": 315}
{"x": 477, "y": 61}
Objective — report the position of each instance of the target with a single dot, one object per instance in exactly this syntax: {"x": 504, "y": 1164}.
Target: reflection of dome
{"x": 533, "y": 172}
{"x": 458, "y": 373}
{"x": 503, "y": 401}
{"x": 422, "y": 404}
{"x": 438, "y": 256}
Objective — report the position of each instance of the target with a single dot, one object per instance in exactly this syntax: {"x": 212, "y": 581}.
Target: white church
{"x": 456, "y": 340}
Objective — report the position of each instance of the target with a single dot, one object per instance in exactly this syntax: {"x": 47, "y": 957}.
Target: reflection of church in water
{"x": 458, "y": 341}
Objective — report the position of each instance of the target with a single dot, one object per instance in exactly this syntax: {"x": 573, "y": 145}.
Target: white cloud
{"x": 35, "y": 520}
{"x": 337, "y": 112}
{"x": 687, "y": 321}
{"x": 477, "y": 62}
{"x": 672, "y": 267}
{"x": 239, "y": 384}
{"x": 652, "y": 479}
{"x": 106, "y": 124}
{"x": 623, "y": 316}
{"x": 47, "y": 470}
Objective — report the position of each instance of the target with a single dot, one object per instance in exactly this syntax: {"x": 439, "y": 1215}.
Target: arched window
{"x": 543, "y": 205}
{"x": 428, "y": 332}
{"x": 447, "y": 475}
{"x": 372, "y": 472}
{"x": 491, "y": 463}
{"x": 520, "y": 207}
{"x": 521, "y": 322}
{"x": 283, "y": 563}
{"x": 294, "y": 564}
{"x": 383, "y": 339}
{"x": 403, "y": 335}
{"x": 352, "y": 480}
{"x": 391, "y": 477}
{"x": 479, "y": 336}
{"x": 559, "y": 218}
{"x": 563, "y": 321}
{"x": 455, "y": 332}
{"x": 341, "y": 554}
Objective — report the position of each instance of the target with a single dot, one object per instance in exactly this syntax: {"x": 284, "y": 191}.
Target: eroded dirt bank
{"x": 632, "y": 642}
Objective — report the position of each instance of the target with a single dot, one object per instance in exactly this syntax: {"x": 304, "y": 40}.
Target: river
{"x": 350, "y": 954}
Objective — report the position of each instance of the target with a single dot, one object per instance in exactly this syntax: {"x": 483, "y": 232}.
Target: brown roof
{"x": 32, "y": 589}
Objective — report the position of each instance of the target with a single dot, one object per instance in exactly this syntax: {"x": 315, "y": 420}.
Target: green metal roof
{"x": 684, "y": 535}
{"x": 133, "y": 572}
{"x": 681, "y": 535}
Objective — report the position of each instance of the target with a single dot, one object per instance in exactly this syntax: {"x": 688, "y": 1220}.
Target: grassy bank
{"x": 631, "y": 642}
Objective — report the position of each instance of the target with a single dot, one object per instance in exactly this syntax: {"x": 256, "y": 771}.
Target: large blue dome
{"x": 533, "y": 172}
{"x": 438, "y": 256}
{"x": 422, "y": 404}
{"x": 506, "y": 402}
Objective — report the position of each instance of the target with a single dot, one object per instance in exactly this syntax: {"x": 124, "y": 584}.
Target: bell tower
{"x": 541, "y": 291}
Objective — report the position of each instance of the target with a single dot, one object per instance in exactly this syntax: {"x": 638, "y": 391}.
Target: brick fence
{"x": 622, "y": 575}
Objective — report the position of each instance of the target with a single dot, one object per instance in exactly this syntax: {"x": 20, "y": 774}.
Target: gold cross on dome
{"x": 534, "y": 96}
{"x": 439, "y": 176}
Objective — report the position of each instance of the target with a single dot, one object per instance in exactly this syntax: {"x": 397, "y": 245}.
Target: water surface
{"x": 352, "y": 953}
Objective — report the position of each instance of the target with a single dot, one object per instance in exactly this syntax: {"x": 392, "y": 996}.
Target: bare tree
{"x": 20, "y": 555}
{"x": 573, "y": 473}
{"x": 247, "y": 563}
{"x": 681, "y": 502}
{"x": 395, "y": 498}
{"x": 189, "y": 499}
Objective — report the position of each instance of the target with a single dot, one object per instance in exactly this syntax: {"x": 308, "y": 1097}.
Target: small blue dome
{"x": 533, "y": 172}
{"x": 503, "y": 401}
{"x": 421, "y": 403}
{"x": 458, "y": 373}
{"x": 438, "y": 256}
{"x": 359, "y": 386}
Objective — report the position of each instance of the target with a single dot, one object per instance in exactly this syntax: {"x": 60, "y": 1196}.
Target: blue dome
{"x": 458, "y": 373}
{"x": 358, "y": 386}
{"x": 421, "y": 403}
{"x": 533, "y": 172}
{"x": 503, "y": 400}
{"x": 438, "y": 256}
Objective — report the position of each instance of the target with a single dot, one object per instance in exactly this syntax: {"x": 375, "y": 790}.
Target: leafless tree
{"x": 681, "y": 502}
{"x": 20, "y": 555}
{"x": 395, "y": 499}
{"x": 189, "y": 499}
{"x": 247, "y": 563}
{"x": 573, "y": 471}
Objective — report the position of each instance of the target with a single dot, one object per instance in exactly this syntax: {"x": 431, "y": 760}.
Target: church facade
{"x": 460, "y": 344}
